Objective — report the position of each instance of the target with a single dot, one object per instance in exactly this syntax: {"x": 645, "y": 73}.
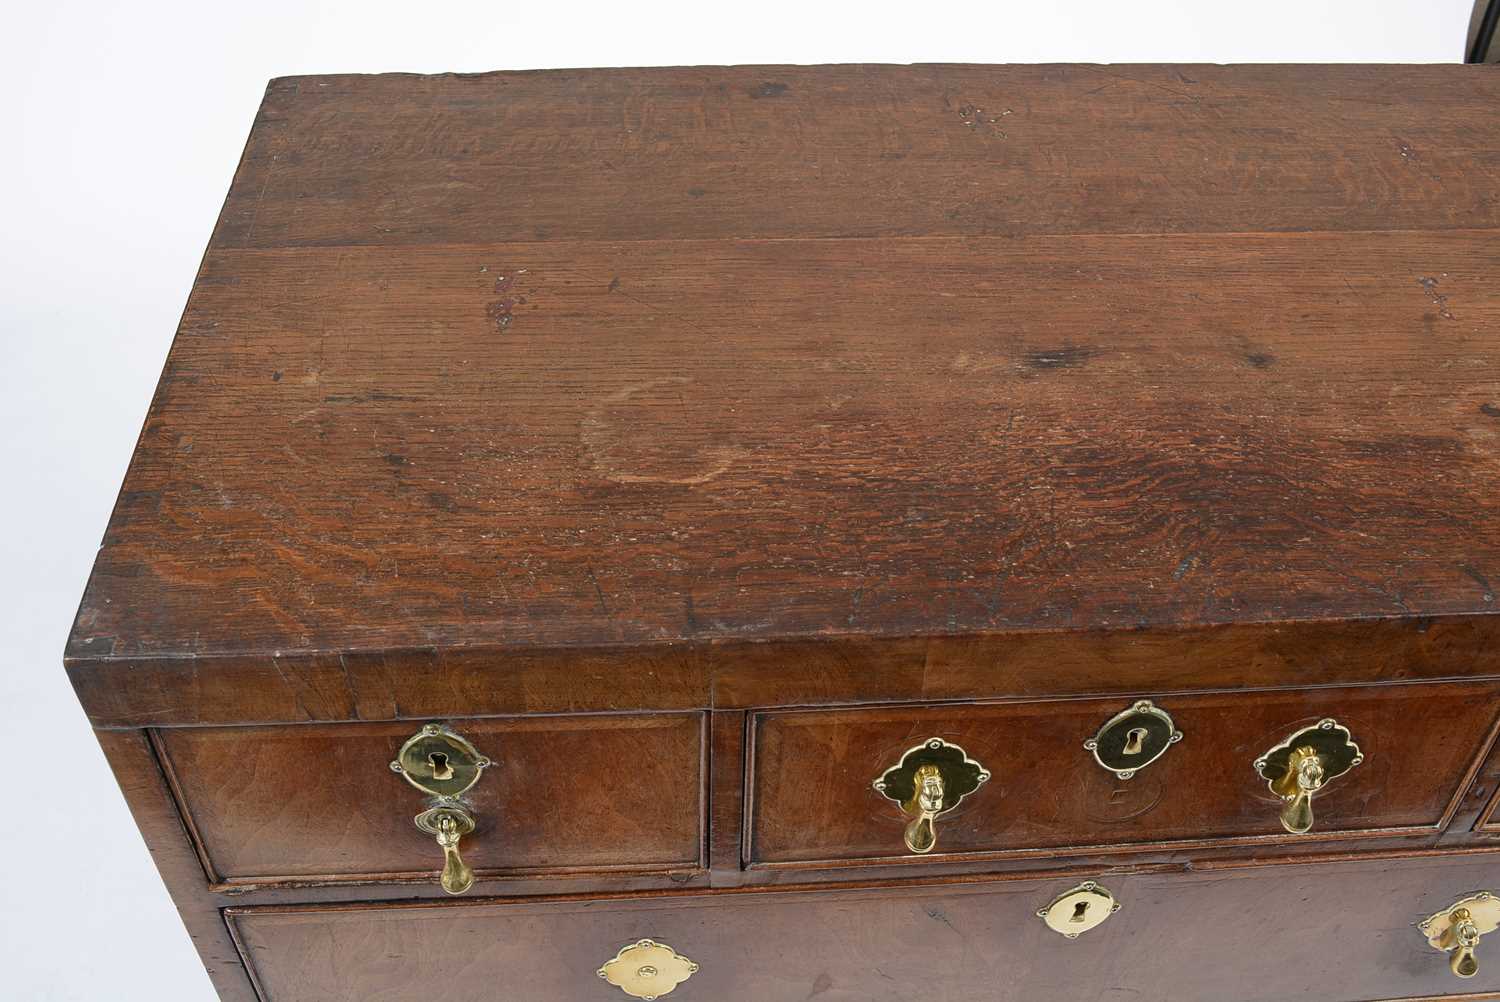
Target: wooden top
{"x": 546, "y": 361}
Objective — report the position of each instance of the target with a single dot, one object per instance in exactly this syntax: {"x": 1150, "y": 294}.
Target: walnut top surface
{"x": 629, "y": 357}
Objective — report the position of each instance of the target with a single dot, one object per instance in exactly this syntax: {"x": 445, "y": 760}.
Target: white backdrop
{"x": 122, "y": 125}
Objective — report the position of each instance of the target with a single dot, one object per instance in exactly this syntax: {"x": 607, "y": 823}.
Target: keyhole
{"x": 1133, "y": 739}
{"x": 1079, "y": 911}
{"x": 440, "y": 767}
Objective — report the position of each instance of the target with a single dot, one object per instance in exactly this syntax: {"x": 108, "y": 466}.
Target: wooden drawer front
{"x": 812, "y": 798}
{"x": 1337, "y": 932}
{"x": 564, "y": 793}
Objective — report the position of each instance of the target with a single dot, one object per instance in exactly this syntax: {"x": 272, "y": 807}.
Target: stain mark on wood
{"x": 1066, "y": 357}
{"x": 647, "y": 433}
{"x": 1440, "y": 300}
{"x": 975, "y": 117}
{"x": 1481, "y": 581}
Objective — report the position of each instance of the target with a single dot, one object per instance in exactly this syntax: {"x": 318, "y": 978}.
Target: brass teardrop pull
{"x": 926, "y": 804}
{"x": 1300, "y": 767}
{"x": 1305, "y": 777}
{"x": 448, "y": 825}
{"x": 443, "y": 765}
{"x": 1462, "y": 961}
{"x": 1457, "y": 929}
{"x": 930, "y": 781}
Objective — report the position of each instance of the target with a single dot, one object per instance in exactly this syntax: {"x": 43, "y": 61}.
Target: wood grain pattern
{"x": 435, "y": 684}
{"x": 839, "y": 151}
{"x": 650, "y": 361}
{"x": 1354, "y": 941}
{"x": 726, "y": 784}
{"x": 566, "y": 794}
{"x": 152, "y": 805}
{"x": 1275, "y": 428}
{"x": 812, "y": 772}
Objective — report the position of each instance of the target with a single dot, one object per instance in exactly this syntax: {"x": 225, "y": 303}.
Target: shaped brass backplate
{"x": 1456, "y": 929}
{"x": 1132, "y": 739}
{"x": 647, "y": 970}
{"x": 930, "y": 780}
{"x": 1302, "y": 766}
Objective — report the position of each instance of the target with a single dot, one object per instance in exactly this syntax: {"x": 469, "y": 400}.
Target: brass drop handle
{"x": 929, "y": 781}
{"x": 1456, "y": 930}
{"x": 444, "y": 766}
{"x": 449, "y": 825}
{"x": 924, "y": 807}
{"x": 1464, "y": 935}
{"x": 1303, "y": 778}
{"x": 1300, "y": 767}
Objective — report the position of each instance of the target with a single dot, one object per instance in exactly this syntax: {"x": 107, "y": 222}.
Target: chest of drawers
{"x": 846, "y": 533}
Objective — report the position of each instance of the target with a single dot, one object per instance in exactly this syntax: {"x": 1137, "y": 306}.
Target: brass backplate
{"x": 1075, "y": 912}
{"x": 1329, "y": 739}
{"x": 429, "y": 821}
{"x": 647, "y": 969}
{"x": 961, "y": 774}
{"x": 1132, "y": 739}
{"x": 1484, "y": 912}
{"x": 439, "y": 762}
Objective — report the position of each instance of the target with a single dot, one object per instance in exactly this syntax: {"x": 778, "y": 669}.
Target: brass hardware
{"x": 1456, "y": 930}
{"x": 448, "y": 825}
{"x": 1132, "y": 739}
{"x": 930, "y": 781}
{"x": 439, "y": 762}
{"x": 647, "y": 969}
{"x": 1303, "y": 765}
{"x": 444, "y": 766}
{"x": 1075, "y": 912}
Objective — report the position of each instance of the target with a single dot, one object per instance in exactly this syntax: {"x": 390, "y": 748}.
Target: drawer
{"x": 812, "y": 799}
{"x": 1338, "y": 932}
{"x": 311, "y": 803}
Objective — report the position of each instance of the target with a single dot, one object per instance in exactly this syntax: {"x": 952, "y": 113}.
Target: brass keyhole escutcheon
{"x": 1302, "y": 766}
{"x": 930, "y": 781}
{"x": 1456, "y": 930}
{"x": 1076, "y": 911}
{"x": 439, "y": 762}
{"x": 1133, "y": 738}
{"x": 444, "y": 766}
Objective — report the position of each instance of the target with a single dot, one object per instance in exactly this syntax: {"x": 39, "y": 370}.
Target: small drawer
{"x": 812, "y": 799}
{"x": 321, "y": 803}
{"x": 1338, "y": 932}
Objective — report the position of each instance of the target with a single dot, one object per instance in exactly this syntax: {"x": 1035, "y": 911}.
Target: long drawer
{"x": 813, "y": 798}
{"x": 1252, "y": 933}
{"x": 320, "y": 803}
